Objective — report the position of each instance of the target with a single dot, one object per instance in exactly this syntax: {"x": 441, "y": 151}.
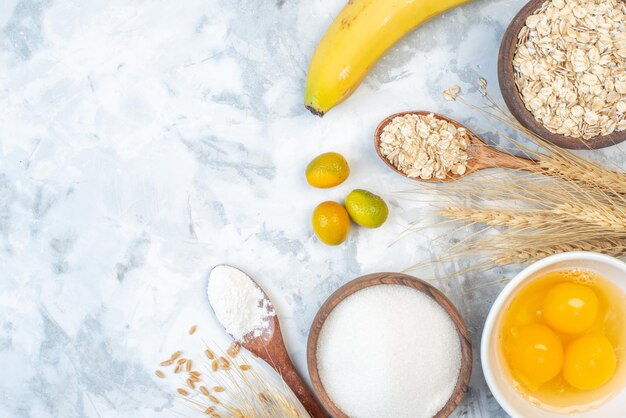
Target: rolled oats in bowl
{"x": 570, "y": 66}
{"x": 425, "y": 146}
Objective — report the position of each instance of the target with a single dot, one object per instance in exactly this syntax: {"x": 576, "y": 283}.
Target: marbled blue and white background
{"x": 143, "y": 141}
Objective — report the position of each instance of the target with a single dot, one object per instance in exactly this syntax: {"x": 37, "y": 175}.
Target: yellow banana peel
{"x": 362, "y": 32}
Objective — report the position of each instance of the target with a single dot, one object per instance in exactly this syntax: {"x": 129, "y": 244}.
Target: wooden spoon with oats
{"x": 480, "y": 156}
{"x": 269, "y": 346}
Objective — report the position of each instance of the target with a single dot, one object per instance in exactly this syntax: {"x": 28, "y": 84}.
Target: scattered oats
{"x": 191, "y": 384}
{"x": 182, "y": 391}
{"x": 451, "y": 93}
{"x": 218, "y": 389}
{"x": 160, "y": 374}
{"x": 482, "y": 83}
{"x": 167, "y": 362}
{"x": 204, "y": 391}
{"x": 175, "y": 355}
{"x": 214, "y": 365}
{"x": 209, "y": 410}
{"x": 570, "y": 66}
{"x": 224, "y": 363}
{"x": 213, "y": 399}
{"x": 178, "y": 368}
{"x": 233, "y": 350}
{"x": 245, "y": 367}
{"x": 425, "y": 146}
{"x": 210, "y": 355}
{"x": 189, "y": 365}
{"x": 192, "y": 330}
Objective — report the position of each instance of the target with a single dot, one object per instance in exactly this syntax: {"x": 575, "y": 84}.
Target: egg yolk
{"x": 570, "y": 308}
{"x": 589, "y": 362}
{"x": 535, "y": 353}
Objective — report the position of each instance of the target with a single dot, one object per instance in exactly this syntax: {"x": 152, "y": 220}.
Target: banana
{"x": 362, "y": 32}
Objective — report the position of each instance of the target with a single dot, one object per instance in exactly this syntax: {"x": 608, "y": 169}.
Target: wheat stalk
{"x": 614, "y": 248}
{"x": 495, "y": 218}
{"x": 232, "y": 384}
{"x": 589, "y": 174}
{"x": 566, "y": 202}
{"x": 611, "y": 218}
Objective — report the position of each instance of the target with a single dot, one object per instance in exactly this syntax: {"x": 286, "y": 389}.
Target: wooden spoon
{"x": 395, "y": 279}
{"x": 270, "y": 347}
{"x": 481, "y": 156}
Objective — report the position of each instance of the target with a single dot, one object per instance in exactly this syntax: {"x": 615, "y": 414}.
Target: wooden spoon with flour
{"x": 247, "y": 314}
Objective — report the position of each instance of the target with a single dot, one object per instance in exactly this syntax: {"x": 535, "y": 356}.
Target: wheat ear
{"x": 505, "y": 256}
{"x": 586, "y": 173}
{"x": 608, "y": 217}
{"x": 496, "y": 218}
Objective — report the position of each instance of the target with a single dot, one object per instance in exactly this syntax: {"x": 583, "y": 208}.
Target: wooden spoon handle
{"x": 492, "y": 158}
{"x": 275, "y": 354}
{"x": 299, "y": 388}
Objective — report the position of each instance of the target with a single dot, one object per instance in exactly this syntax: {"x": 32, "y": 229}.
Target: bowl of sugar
{"x": 389, "y": 344}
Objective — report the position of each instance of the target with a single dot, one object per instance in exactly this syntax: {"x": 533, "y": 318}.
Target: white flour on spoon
{"x": 238, "y": 302}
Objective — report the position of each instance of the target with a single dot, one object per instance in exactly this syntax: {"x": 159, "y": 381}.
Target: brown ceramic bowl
{"x": 514, "y": 102}
{"x": 383, "y": 279}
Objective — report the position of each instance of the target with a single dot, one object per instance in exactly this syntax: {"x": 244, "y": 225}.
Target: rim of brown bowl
{"x": 377, "y": 279}
{"x": 514, "y": 102}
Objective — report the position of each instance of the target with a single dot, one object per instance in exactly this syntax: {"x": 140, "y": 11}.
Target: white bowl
{"x": 495, "y": 371}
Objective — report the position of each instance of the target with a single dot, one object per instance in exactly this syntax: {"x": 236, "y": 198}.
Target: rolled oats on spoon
{"x": 424, "y": 146}
{"x": 432, "y": 148}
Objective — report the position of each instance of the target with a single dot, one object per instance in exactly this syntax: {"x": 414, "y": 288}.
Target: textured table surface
{"x": 142, "y": 142}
